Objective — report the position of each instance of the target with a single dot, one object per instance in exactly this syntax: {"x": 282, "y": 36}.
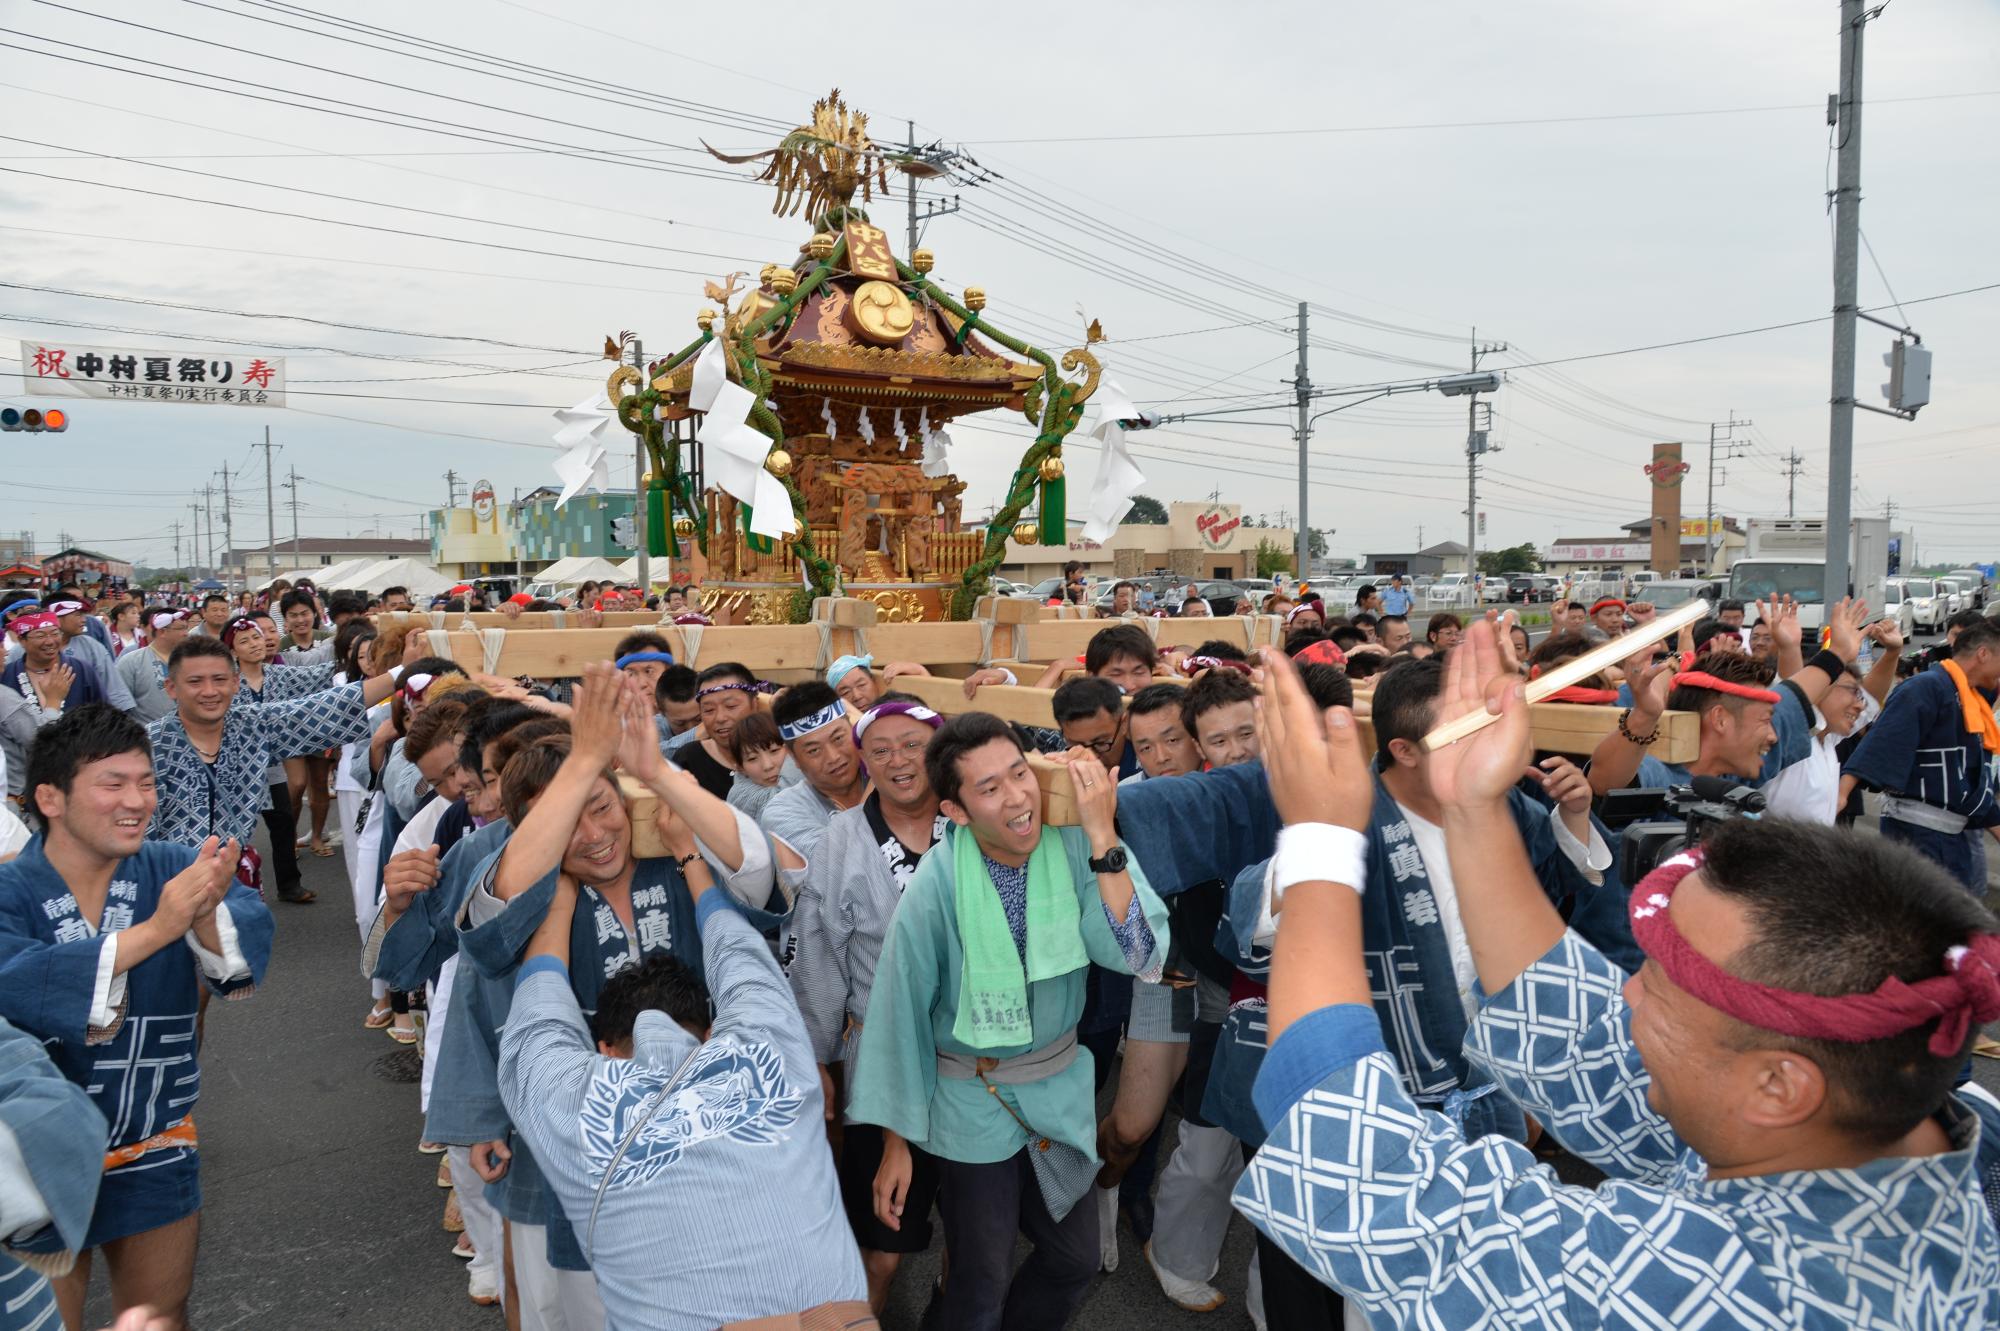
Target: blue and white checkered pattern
{"x": 1388, "y": 1203}
{"x": 199, "y": 799}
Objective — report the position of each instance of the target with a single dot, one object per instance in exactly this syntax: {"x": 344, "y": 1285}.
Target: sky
{"x": 1568, "y": 178}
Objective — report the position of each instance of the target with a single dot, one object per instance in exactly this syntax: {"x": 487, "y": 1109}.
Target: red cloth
{"x": 1577, "y": 693}
{"x": 1603, "y": 601}
{"x": 1324, "y": 652}
{"x": 1701, "y": 679}
{"x": 1968, "y": 991}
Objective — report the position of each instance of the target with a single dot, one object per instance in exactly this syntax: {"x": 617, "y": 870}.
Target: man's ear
{"x": 1786, "y": 1088}
{"x": 1406, "y": 753}
{"x": 955, "y": 811}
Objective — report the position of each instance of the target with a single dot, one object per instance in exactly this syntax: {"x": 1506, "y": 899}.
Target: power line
{"x": 1513, "y": 122}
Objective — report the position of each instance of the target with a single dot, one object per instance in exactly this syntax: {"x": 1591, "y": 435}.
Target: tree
{"x": 1272, "y": 559}
{"x": 1514, "y": 559}
{"x": 1147, "y": 512}
{"x": 1316, "y": 542}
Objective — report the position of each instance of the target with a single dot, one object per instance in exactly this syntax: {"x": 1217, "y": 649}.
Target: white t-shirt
{"x": 1809, "y": 790}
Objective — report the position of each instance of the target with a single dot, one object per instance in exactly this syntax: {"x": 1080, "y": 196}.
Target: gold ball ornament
{"x": 684, "y": 527}
{"x": 922, "y": 260}
{"x": 1052, "y": 468}
{"x": 778, "y": 462}
{"x": 783, "y": 280}
{"x": 704, "y": 319}
{"x": 820, "y": 246}
{"x": 764, "y": 274}
{"x": 1027, "y": 533}
{"x": 975, "y": 299}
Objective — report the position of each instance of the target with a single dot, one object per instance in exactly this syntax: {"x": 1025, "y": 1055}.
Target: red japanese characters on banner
{"x": 119, "y": 374}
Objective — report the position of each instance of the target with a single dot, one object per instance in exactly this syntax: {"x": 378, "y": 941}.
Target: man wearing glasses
{"x": 865, "y": 859}
{"x": 1090, "y": 712}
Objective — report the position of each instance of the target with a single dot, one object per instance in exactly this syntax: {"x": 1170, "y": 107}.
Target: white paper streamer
{"x": 937, "y": 454}
{"x": 583, "y": 461}
{"x": 711, "y": 372}
{"x": 896, "y": 424}
{"x": 865, "y": 427}
{"x": 826, "y": 414}
{"x": 1119, "y": 479}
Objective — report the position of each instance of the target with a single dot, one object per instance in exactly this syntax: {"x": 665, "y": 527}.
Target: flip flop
{"x": 378, "y": 1018}
{"x": 401, "y": 1035}
{"x": 1986, "y": 1047}
{"x": 323, "y": 850}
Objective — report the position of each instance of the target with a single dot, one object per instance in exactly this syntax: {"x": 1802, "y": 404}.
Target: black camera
{"x": 1658, "y": 824}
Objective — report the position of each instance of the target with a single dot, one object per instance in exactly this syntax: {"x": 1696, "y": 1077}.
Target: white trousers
{"x": 434, "y": 1010}
{"x": 551, "y": 1300}
{"x": 360, "y": 851}
{"x": 1191, "y": 1211}
{"x": 482, "y": 1222}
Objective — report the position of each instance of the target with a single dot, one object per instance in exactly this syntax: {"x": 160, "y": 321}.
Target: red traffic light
{"x": 33, "y": 420}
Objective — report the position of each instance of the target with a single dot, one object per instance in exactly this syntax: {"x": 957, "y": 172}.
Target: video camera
{"x": 1689, "y": 812}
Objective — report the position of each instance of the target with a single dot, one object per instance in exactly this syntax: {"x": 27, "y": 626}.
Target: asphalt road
{"x": 320, "y": 1213}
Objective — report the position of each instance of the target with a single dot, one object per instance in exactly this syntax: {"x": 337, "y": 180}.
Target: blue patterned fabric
{"x": 51, "y": 1157}
{"x": 1388, "y": 1203}
{"x": 200, "y": 799}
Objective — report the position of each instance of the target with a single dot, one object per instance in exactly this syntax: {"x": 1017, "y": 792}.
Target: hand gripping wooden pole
{"x": 1578, "y": 668}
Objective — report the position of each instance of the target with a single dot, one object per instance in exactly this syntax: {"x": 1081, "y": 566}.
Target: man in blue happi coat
{"x": 1931, "y": 754}
{"x": 1771, "y": 1094}
{"x": 51, "y": 1158}
{"x": 107, "y": 941}
{"x": 629, "y": 908}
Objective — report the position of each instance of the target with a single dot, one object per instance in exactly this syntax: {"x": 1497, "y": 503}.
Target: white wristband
{"x": 1319, "y": 853}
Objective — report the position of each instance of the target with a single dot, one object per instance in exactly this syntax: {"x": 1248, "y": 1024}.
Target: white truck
{"x": 1787, "y": 557}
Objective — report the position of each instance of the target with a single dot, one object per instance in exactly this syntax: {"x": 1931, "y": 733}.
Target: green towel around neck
{"x": 993, "y": 1008}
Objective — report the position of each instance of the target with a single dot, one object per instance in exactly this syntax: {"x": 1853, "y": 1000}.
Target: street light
{"x": 1458, "y": 385}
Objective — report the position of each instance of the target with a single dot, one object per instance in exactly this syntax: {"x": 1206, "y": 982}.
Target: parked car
{"x": 1453, "y": 589}
{"x": 1921, "y": 595}
{"x": 1975, "y": 584}
{"x": 1897, "y": 607}
{"x": 1526, "y": 588}
{"x": 1221, "y": 596}
{"x": 1493, "y": 587}
{"x": 1668, "y": 593}
{"x": 1952, "y": 592}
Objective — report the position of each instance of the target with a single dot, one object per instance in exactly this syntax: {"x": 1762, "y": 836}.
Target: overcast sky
{"x": 1149, "y": 173}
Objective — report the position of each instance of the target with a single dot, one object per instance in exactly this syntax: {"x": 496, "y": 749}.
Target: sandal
{"x": 444, "y": 1174}
{"x": 463, "y": 1248}
{"x": 378, "y": 1017}
{"x": 323, "y": 850}
{"x": 430, "y": 1148}
{"x": 402, "y": 1034}
{"x": 454, "y": 1220}
{"x": 1986, "y": 1047}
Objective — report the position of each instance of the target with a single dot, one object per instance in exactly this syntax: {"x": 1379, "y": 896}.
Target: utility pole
{"x": 1793, "y": 464}
{"x": 177, "y": 546}
{"x": 639, "y": 473}
{"x": 292, "y": 484}
{"x": 208, "y": 518}
{"x": 938, "y": 161}
{"x": 1302, "y": 385}
{"x": 228, "y": 531}
{"x": 1475, "y": 444}
{"x": 270, "y": 513}
{"x": 1722, "y": 433}
{"x": 451, "y": 489}
{"x": 1845, "y": 116}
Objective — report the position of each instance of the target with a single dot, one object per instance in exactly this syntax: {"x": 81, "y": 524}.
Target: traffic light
{"x": 34, "y": 420}
{"x": 1909, "y": 385}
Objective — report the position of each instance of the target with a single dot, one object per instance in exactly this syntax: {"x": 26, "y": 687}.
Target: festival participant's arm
{"x": 728, "y": 840}
{"x": 52, "y": 1140}
{"x": 893, "y": 1077}
{"x": 536, "y": 848}
{"x": 819, "y": 973}
{"x": 897, "y": 669}
{"x": 231, "y": 939}
{"x": 320, "y": 721}
{"x": 1615, "y": 761}
{"x": 1881, "y": 676}
{"x": 1053, "y": 676}
{"x": 1568, "y": 790}
{"x": 1134, "y": 917}
{"x": 1782, "y": 614}
{"x": 547, "y": 1056}
{"x": 116, "y": 691}
{"x": 989, "y": 675}
{"x": 1844, "y": 622}
{"x": 1200, "y": 827}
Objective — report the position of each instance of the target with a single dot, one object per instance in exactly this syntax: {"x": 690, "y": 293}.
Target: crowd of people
{"x": 708, "y": 970}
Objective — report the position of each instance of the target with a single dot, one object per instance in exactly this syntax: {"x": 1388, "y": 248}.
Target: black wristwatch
{"x": 1112, "y": 862}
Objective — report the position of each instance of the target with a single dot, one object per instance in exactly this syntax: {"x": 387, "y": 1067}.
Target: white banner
{"x": 1613, "y": 552}
{"x": 122, "y": 374}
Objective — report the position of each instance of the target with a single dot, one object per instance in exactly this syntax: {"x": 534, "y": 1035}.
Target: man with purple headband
{"x": 1771, "y": 1095}
{"x": 727, "y": 692}
{"x": 864, "y": 859}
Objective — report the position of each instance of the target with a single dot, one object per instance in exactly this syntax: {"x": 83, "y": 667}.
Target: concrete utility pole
{"x": 1475, "y": 444}
{"x": 938, "y": 160}
{"x": 177, "y": 545}
{"x": 228, "y": 531}
{"x": 1793, "y": 464}
{"x": 639, "y": 475}
{"x": 208, "y": 517}
{"x": 451, "y": 490}
{"x": 1302, "y": 548}
{"x": 1722, "y": 433}
{"x": 292, "y": 484}
{"x": 1845, "y": 116}
{"x": 270, "y": 514}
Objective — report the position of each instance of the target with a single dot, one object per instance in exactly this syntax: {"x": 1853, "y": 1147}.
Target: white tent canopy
{"x": 578, "y": 569}
{"x": 372, "y": 575}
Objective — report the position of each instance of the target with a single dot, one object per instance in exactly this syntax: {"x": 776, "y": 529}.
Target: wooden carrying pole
{"x": 1572, "y": 671}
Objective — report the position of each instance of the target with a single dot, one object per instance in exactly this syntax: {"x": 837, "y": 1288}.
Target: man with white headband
{"x": 44, "y": 677}
{"x": 73, "y": 617}
{"x": 865, "y": 859}
{"x": 813, "y": 723}
{"x": 1771, "y": 1096}
{"x": 144, "y": 672}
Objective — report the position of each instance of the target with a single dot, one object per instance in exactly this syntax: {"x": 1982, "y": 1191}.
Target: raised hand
{"x": 1312, "y": 759}
{"x": 1844, "y": 626}
{"x": 1652, "y": 685}
{"x": 60, "y": 681}
{"x": 595, "y": 721}
{"x": 1887, "y": 634}
{"x": 1564, "y": 783}
{"x": 192, "y": 893}
{"x": 639, "y": 745}
{"x": 1642, "y": 612}
{"x": 407, "y": 874}
{"x": 1096, "y": 799}
{"x": 1481, "y": 768}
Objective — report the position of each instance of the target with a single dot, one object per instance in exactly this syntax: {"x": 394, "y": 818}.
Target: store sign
{"x": 1614, "y": 552}
{"x": 1217, "y": 527}
{"x": 122, "y": 374}
{"x": 482, "y": 500}
{"x": 1695, "y": 529}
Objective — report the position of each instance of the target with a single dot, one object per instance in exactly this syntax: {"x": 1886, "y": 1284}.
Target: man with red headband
{"x": 1750, "y": 729}
{"x": 47, "y": 679}
{"x": 1607, "y": 619}
{"x": 1771, "y": 1095}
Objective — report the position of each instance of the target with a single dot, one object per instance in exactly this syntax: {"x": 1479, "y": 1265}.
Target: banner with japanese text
{"x": 121, "y": 374}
